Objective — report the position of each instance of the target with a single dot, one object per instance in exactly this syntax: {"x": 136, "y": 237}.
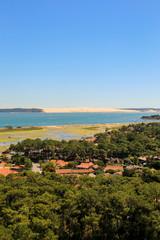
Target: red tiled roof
{"x": 2, "y": 164}
{"x": 85, "y": 165}
{"x": 54, "y": 161}
{"x": 118, "y": 173}
{"x": 92, "y": 139}
{"x": 18, "y": 167}
{"x": 73, "y": 171}
{"x": 95, "y": 166}
{"x": 113, "y": 167}
{"x": 92, "y": 175}
{"x": 143, "y": 158}
{"x": 60, "y": 163}
{"x": 6, "y": 171}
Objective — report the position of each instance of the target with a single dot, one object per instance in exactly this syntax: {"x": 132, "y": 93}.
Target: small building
{"x": 91, "y": 139}
{"x": 6, "y": 170}
{"x": 118, "y": 173}
{"x": 85, "y": 165}
{"x": 156, "y": 158}
{"x": 92, "y": 175}
{"x": 2, "y": 163}
{"x": 95, "y": 167}
{"x": 60, "y": 163}
{"x": 142, "y": 159}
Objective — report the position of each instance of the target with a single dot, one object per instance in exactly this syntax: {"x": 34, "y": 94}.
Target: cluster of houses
{"x": 5, "y": 170}
{"x": 89, "y": 168}
{"x": 83, "y": 168}
{"x": 113, "y": 164}
{"x": 144, "y": 159}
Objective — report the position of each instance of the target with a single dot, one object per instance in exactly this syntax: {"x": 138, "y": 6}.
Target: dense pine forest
{"x": 71, "y": 207}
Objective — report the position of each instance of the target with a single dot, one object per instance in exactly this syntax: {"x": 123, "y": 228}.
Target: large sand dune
{"x": 85, "y": 109}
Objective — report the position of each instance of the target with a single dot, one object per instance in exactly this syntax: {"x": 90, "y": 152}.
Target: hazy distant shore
{"x": 78, "y": 110}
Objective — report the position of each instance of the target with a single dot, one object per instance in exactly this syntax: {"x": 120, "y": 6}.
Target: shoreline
{"x": 37, "y": 128}
{"x": 96, "y": 124}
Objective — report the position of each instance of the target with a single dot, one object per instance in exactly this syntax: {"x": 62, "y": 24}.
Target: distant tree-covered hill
{"x": 20, "y": 110}
{"x": 152, "y": 117}
{"x": 143, "y": 109}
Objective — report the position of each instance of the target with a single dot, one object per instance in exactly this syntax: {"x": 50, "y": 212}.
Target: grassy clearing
{"x": 19, "y": 134}
{"x": 5, "y": 139}
{"x": 20, "y": 129}
{"x": 114, "y": 128}
{"x": 82, "y": 130}
{"x": 91, "y": 128}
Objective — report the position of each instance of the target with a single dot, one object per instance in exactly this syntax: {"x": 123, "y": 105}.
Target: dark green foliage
{"x": 111, "y": 171}
{"x": 68, "y": 207}
{"x": 21, "y": 160}
{"x": 152, "y": 117}
{"x": 130, "y": 172}
{"x": 49, "y": 166}
{"x": 155, "y": 165}
{"x": 132, "y": 140}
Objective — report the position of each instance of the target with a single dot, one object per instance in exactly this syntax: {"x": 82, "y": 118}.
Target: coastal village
{"x": 88, "y": 168}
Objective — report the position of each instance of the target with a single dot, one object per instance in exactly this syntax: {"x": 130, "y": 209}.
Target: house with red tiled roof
{"x": 92, "y": 175}
{"x": 85, "y": 165}
{"x": 91, "y": 139}
{"x": 118, "y": 173}
{"x": 142, "y": 159}
{"x": 2, "y": 163}
{"x": 60, "y": 163}
{"x": 20, "y": 167}
{"x": 95, "y": 166}
{"x": 156, "y": 158}
{"x": 5, "y": 171}
{"x": 52, "y": 160}
{"x": 88, "y": 165}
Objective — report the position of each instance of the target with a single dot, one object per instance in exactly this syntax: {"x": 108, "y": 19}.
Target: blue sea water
{"x": 49, "y": 119}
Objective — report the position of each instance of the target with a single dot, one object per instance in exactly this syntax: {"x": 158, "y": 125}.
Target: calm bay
{"x": 55, "y": 119}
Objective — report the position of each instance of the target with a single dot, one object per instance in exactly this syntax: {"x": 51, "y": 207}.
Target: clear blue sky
{"x": 80, "y": 53}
